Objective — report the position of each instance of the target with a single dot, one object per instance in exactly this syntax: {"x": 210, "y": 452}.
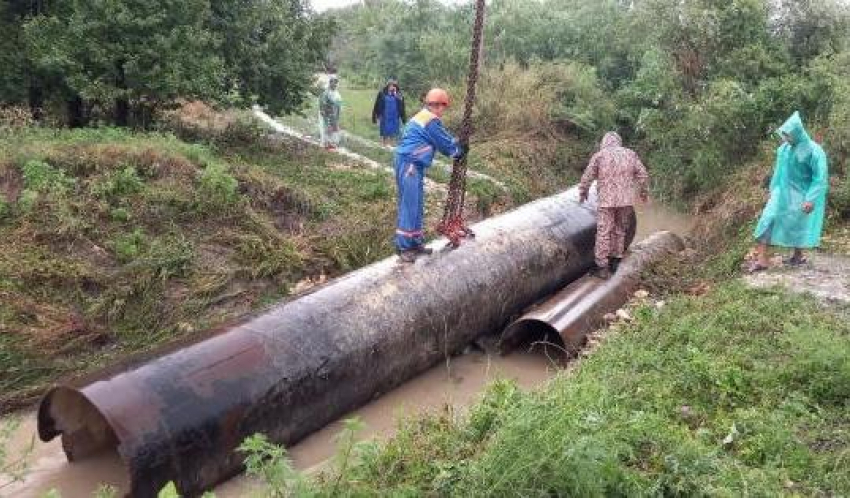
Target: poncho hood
{"x": 794, "y": 128}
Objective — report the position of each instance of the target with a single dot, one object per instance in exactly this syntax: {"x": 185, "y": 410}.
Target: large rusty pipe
{"x": 299, "y": 365}
{"x": 579, "y": 308}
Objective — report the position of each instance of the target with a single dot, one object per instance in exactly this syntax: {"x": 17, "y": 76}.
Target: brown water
{"x": 456, "y": 383}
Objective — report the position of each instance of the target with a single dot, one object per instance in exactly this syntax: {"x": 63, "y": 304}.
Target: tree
{"x": 132, "y": 56}
{"x": 270, "y": 49}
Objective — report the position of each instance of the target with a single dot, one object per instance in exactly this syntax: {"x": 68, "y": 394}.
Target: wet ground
{"x": 457, "y": 382}
{"x": 825, "y": 276}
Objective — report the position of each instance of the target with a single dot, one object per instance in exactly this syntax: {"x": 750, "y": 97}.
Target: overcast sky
{"x": 323, "y": 5}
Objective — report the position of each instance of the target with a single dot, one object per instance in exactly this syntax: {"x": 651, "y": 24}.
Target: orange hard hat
{"x": 437, "y": 96}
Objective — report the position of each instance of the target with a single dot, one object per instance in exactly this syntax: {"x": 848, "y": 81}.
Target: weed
{"x": 216, "y": 189}
{"x": 357, "y": 245}
{"x": 106, "y": 491}
{"x": 266, "y": 258}
{"x": 41, "y": 177}
{"x": 270, "y": 463}
{"x": 118, "y": 184}
{"x": 120, "y": 214}
{"x": 714, "y": 395}
{"x": 128, "y": 247}
{"x": 375, "y": 188}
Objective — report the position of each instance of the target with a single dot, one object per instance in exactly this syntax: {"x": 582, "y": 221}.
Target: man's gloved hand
{"x": 461, "y": 152}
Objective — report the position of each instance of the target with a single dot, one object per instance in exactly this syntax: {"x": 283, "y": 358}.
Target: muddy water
{"x": 457, "y": 382}
{"x": 653, "y": 217}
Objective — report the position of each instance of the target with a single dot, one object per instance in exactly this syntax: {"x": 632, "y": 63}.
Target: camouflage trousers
{"x": 611, "y": 226}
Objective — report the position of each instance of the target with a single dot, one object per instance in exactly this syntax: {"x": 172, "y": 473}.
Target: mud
{"x": 458, "y": 383}
{"x": 825, "y": 276}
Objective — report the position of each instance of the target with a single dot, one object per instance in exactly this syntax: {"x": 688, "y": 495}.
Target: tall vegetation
{"x": 122, "y": 61}
{"x": 695, "y": 85}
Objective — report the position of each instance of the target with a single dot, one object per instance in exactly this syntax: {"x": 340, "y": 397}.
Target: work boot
{"x": 601, "y": 272}
{"x": 614, "y": 264}
{"x": 408, "y": 255}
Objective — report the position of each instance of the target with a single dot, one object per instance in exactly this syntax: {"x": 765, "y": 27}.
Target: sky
{"x": 323, "y": 5}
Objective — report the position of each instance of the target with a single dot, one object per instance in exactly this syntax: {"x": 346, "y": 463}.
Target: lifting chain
{"x": 452, "y": 225}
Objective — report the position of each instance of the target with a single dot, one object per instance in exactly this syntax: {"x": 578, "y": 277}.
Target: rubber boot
{"x": 614, "y": 264}
{"x": 601, "y": 272}
{"x": 408, "y": 256}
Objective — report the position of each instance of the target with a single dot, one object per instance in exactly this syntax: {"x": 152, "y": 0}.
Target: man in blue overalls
{"x": 423, "y": 136}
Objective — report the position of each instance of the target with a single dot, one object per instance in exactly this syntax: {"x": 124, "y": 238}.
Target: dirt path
{"x": 286, "y": 130}
{"x": 292, "y": 132}
{"x": 825, "y": 276}
{"x": 446, "y": 167}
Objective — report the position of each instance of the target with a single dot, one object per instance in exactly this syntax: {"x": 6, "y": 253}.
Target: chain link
{"x": 452, "y": 225}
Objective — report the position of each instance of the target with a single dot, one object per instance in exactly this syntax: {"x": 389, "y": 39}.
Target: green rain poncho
{"x": 800, "y": 176}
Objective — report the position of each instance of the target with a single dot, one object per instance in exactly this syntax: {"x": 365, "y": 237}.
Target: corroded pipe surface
{"x": 580, "y": 307}
{"x": 295, "y": 367}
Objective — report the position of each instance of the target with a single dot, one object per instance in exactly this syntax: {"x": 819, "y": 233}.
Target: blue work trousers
{"x": 410, "y": 183}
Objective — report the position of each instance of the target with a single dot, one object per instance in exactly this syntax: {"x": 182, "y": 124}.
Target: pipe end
{"x": 68, "y": 412}
{"x": 535, "y": 335}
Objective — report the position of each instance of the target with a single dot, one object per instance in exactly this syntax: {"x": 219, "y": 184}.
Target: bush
{"x": 42, "y": 177}
{"x": 118, "y": 184}
{"x": 128, "y": 247}
{"x": 216, "y": 189}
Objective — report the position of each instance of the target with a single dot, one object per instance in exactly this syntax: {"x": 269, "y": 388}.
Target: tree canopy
{"x": 121, "y": 60}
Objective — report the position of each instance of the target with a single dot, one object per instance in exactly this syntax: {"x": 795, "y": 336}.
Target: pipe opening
{"x": 85, "y": 431}
{"x": 536, "y": 336}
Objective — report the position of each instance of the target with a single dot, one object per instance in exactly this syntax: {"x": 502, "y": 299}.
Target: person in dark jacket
{"x": 388, "y": 112}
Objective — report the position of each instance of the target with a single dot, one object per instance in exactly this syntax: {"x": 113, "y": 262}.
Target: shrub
{"x": 216, "y": 189}
{"x": 118, "y": 184}
{"x": 241, "y": 130}
{"x": 39, "y": 176}
{"x": 128, "y": 247}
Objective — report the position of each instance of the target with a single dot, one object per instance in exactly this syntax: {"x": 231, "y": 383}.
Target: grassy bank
{"x": 737, "y": 392}
{"x": 113, "y": 242}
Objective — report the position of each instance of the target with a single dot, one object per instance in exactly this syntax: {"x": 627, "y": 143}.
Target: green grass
{"x": 736, "y": 393}
{"x": 113, "y": 242}
{"x": 355, "y": 115}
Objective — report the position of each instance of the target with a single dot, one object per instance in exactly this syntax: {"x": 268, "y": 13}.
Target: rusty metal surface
{"x": 579, "y": 307}
{"x": 292, "y": 369}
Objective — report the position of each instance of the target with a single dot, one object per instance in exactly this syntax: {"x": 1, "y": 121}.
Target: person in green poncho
{"x": 330, "y": 104}
{"x": 793, "y": 215}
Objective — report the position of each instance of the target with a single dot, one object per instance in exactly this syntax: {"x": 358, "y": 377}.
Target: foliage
{"x": 270, "y": 463}
{"x": 735, "y": 392}
{"x": 270, "y": 49}
{"x": 124, "y": 61}
{"x": 216, "y": 188}
{"x": 156, "y": 58}
{"x": 695, "y": 86}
